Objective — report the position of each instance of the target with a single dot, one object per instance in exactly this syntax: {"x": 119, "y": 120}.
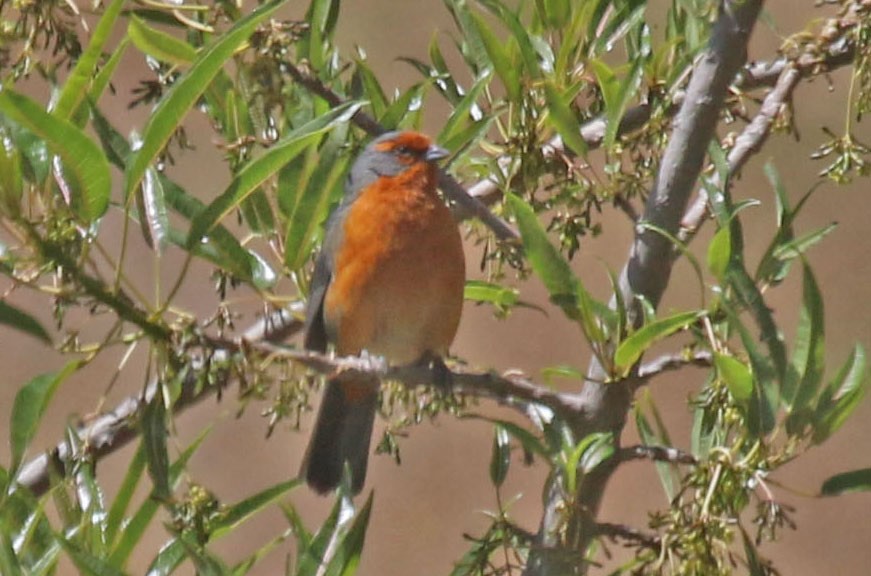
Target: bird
{"x": 388, "y": 283}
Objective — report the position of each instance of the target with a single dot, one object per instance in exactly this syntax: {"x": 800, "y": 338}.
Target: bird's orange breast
{"x": 397, "y": 289}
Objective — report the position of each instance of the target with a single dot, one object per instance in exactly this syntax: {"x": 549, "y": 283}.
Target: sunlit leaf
{"x": 84, "y": 164}
{"x": 630, "y": 350}
{"x": 29, "y": 405}
{"x": 852, "y": 481}
{"x": 258, "y": 171}
{"x": 841, "y": 397}
{"x": 500, "y": 456}
{"x": 74, "y": 88}
{"x": 736, "y": 375}
{"x": 177, "y": 102}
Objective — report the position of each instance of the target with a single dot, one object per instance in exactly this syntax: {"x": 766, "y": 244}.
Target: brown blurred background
{"x": 423, "y": 508}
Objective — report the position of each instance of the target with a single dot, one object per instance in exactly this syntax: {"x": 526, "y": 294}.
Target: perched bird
{"x": 388, "y": 282}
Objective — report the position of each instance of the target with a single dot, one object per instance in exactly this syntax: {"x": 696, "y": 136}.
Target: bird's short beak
{"x": 435, "y": 153}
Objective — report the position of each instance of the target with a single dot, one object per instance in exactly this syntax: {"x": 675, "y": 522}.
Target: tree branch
{"x": 648, "y": 267}
{"x": 111, "y": 431}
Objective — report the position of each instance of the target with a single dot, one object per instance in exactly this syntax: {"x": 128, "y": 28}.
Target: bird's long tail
{"x": 342, "y": 433}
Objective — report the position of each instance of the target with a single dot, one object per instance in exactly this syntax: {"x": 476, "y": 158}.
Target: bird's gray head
{"x": 390, "y": 155}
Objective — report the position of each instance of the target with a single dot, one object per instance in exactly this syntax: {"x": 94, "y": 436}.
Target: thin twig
{"x": 657, "y": 454}
{"x": 746, "y": 145}
{"x": 629, "y": 534}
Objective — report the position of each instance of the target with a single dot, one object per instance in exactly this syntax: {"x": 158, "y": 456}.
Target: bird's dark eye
{"x": 404, "y": 150}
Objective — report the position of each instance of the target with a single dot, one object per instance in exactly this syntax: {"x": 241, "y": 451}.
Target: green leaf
{"x": 15, "y": 318}
{"x": 500, "y": 456}
{"x": 762, "y": 406}
{"x": 809, "y": 354}
{"x": 151, "y": 203}
{"x": 306, "y": 194}
{"x": 563, "y": 118}
{"x": 235, "y": 515}
{"x": 85, "y": 165}
{"x": 500, "y": 59}
{"x": 617, "y": 94}
{"x": 154, "y": 435}
{"x": 87, "y": 563}
{"x": 472, "y": 46}
{"x": 720, "y": 253}
{"x": 177, "y": 102}
{"x": 798, "y": 246}
{"x": 133, "y": 530}
{"x": 518, "y": 31}
{"x": 630, "y": 350}
{"x": 125, "y": 494}
{"x": 372, "y": 90}
{"x": 546, "y": 261}
{"x": 852, "y": 481}
{"x": 28, "y": 408}
{"x": 311, "y": 550}
{"x": 11, "y": 176}
{"x": 159, "y": 45}
{"x": 736, "y": 375}
{"x": 205, "y": 563}
{"x": 841, "y": 397}
{"x": 667, "y": 471}
{"x": 258, "y": 171}
{"x": 169, "y": 558}
{"x": 346, "y": 557}
{"x": 530, "y": 443}
{"x": 74, "y": 87}
{"x": 99, "y": 84}
{"x": 463, "y": 114}
{"x": 9, "y": 564}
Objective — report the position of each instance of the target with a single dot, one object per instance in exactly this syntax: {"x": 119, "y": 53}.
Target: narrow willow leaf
{"x": 616, "y": 93}
{"x": 346, "y": 557}
{"x": 178, "y": 101}
{"x": 74, "y": 88}
{"x": 154, "y": 437}
{"x": 500, "y": 456}
{"x": 29, "y": 405}
{"x": 153, "y": 219}
{"x": 630, "y": 350}
{"x": 720, "y": 253}
{"x": 656, "y": 437}
{"x": 123, "y": 497}
{"x": 233, "y": 516}
{"x": 160, "y": 45}
{"x": 372, "y": 90}
{"x": 258, "y": 171}
{"x": 852, "y": 481}
{"x": 15, "y": 318}
{"x": 87, "y": 563}
{"x": 563, "y": 118}
{"x": 500, "y": 59}
{"x": 503, "y": 298}
{"x": 736, "y": 375}
{"x": 131, "y": 536}
{"x": 521, "y": 35}
{"x": 841, "y": 397}
{"x": 809, "y": 354}
{"x": 463, "y": 114}
{"x": 308, "y": 193}
{"x": 85, "y": 165}
{"x": 547, "y": 263}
